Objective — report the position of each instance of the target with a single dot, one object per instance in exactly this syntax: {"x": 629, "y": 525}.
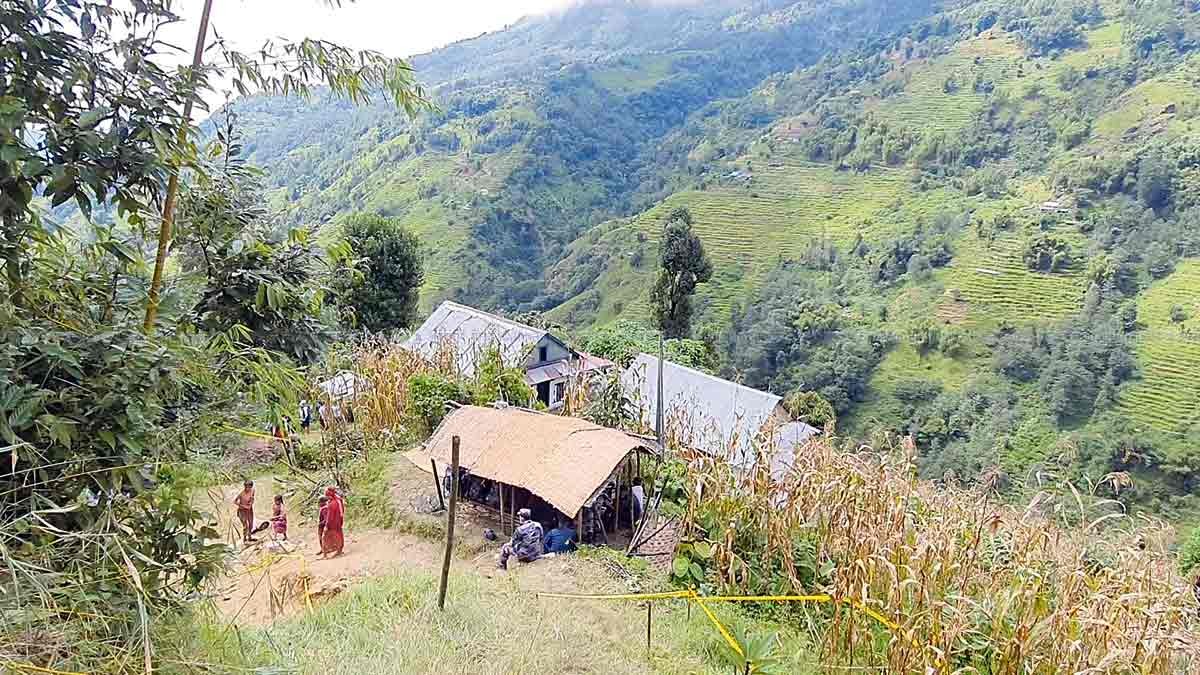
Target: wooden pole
{"x": 437, "y": 483}
{"x": 500, "y": 486}
{"x": 617, "y": 504}
{"x": 649, "y": 606}
{"x": 449, "y": 522}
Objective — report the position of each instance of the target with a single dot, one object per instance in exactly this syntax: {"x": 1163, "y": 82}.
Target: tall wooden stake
{"x": 649, "y": 606}
{"x": 658, "y": 416}
{"x": 449, "y": 522}
{"x": 437, "y": 483}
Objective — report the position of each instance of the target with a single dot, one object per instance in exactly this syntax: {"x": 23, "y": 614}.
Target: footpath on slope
{"x": 269, "y": 581}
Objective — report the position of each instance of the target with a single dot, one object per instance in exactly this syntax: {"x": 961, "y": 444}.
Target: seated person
{"x": 561, "y": 539}
{"x": 526, "y": 543}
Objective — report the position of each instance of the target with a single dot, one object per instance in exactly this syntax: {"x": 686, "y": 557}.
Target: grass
{"x": 392, "y": 625}
{"x": 1165, "y": 394}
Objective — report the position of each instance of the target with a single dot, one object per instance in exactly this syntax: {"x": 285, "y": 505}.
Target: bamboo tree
{"x": 287, "y": 69}
{"x": 168, "y": 212}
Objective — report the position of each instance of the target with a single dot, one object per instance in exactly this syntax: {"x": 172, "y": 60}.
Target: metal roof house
{"x": 465, "y": 334}
{"x": 714, "y": 415}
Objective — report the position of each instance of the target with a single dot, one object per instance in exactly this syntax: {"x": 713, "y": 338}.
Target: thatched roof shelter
{"x": 565, "y": 461}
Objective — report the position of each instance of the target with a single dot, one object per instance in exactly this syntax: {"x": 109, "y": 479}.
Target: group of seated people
{"x": 529, "y": 543}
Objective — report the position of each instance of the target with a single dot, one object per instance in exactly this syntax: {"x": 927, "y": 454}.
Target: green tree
{"x": 684, "y": 265}
{"x": 384, "y": 291}
{"x": 810, "y": 407}
{"x": 1178, "y": 315}
{"x": 924, "y": 335}
{"x": 1154, "y": 178}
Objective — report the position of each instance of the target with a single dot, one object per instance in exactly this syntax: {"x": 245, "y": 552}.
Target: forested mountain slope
{"x": 974, "y": 221}
{"x": 545, "y": 129}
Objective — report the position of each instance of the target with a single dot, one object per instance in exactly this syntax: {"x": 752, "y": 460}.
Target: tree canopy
{"x": 683, "y": 266}
{"x": 383, "y": 291}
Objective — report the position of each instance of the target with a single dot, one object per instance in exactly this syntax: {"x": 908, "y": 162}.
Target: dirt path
{"x": 269, "y": 580}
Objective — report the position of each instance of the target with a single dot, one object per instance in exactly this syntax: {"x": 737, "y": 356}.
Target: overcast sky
{"x": 394, "y": 27}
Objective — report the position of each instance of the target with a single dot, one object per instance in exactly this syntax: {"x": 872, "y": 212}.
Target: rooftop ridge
{"x": 491, "y": 317}
{"x": 714, "y": 378}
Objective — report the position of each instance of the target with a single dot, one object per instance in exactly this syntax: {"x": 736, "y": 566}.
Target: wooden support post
{"x": 512, "y": 508}
{"x": 617, "y": 504}
{"x": 449, "y": 522}
{"x": 500, "y": 486}
{"x": 437, "y": 483}
{"x": 649, "y": 609}
{"x": 579, "y": 526}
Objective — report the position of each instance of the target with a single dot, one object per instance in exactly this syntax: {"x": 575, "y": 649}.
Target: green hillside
{"x": 1166, "y": 397}
{"x": 964, "y": 220}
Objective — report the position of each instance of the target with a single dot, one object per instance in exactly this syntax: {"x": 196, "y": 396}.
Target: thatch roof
{"x": 563, "y": 460}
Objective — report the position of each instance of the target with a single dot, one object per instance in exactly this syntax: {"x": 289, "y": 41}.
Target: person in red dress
{"x": 279, "y": 518}
{"x": 322, "y": 515}
{"x": 333, "y": 540}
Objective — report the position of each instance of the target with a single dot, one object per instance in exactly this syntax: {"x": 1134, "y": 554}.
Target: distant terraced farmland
{"x": 1166, "y": 396}
{"x": 997, "y": 285}
{"x": 928, "y": 103}
{"x": 749, "y": 225}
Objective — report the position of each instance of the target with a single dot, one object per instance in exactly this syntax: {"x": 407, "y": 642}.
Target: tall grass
{"x": 392, "y": 625}
{"x": 979, "y": 586}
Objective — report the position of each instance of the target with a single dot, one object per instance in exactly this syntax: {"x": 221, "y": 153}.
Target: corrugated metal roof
{"x": 470, "y": 332}
{"x": 718, "y": 413}
{"x": 563, "y": 460}
{"x": 549, "y": 372}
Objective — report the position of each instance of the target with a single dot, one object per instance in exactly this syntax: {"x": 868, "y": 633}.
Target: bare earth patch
{"x": 269, "y": 580}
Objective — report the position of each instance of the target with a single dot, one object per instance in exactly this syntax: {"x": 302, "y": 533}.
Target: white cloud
{"x": 393, "y": 27}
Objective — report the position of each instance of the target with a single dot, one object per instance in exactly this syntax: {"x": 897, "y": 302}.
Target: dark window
{"x": 542, "y": 354}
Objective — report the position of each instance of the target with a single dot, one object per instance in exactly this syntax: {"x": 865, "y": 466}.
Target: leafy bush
{"x": 622, "y": 341}
{"x": 428, "y": 394}
{"x": 809, "y": 407}
{"x": 494, "y": 381}
{"x": 1189, "y": 553}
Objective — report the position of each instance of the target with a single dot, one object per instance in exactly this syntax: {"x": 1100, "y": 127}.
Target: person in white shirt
{"x": 639, "y": 498}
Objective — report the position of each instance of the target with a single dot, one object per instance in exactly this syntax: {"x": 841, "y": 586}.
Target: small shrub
{"x": 428, "y": 394}
{"x": 1189, "y": 553}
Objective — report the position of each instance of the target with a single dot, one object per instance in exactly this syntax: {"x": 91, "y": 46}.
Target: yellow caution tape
{"x": 30, "y": 668}
{"x": 695, "y": 597}
{"x": 669, "y": 595}
{"x": 703, "y": 601}
{"x": 255, "y": 434}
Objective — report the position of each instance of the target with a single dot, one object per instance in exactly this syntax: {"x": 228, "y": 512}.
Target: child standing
{"x": 245, "y": 510}
{"x": 279, "y": 518}
{"x": 322, "y": 517}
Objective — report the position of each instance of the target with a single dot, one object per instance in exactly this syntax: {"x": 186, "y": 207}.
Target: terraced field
{"x": 940, "y": 94}
{"x": 634, "y": 75}
{"x": 782, "y": 209}
{"x": 996, "y": 284}
{"x": 1166, "y": 396}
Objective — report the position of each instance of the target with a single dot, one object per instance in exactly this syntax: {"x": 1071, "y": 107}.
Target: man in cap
{"x": 526, "y": 543}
